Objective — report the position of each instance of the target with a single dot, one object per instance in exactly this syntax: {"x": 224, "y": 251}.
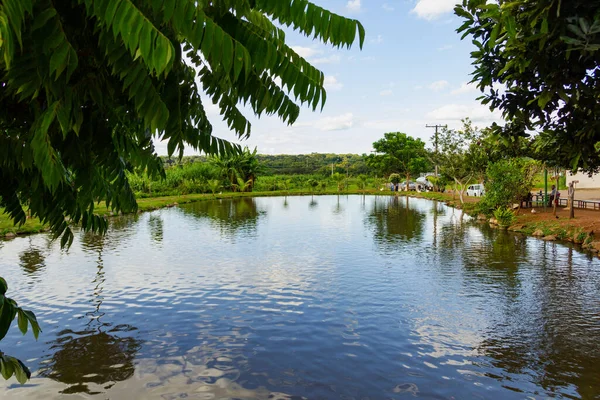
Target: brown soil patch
{"x": 588, "y": 220}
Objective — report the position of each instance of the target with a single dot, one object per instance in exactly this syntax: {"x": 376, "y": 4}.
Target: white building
{"x": 585, "y": 181}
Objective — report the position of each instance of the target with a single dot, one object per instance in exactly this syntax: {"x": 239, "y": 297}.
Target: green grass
{"x": 32, "y": 225}
{"x": 538, "y": 183}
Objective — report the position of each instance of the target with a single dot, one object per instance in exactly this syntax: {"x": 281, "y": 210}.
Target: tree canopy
{"x": 88, "y": 85}
{"x": 460, "y": 157}
{"x": 537, "y": 61}
{"x": 397, "y": 152}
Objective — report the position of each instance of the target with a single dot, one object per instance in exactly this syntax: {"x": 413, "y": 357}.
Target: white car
{"x": 476, "y": 190}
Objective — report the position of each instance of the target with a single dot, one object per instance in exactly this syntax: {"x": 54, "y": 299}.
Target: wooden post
{"x": 571, "y": 194}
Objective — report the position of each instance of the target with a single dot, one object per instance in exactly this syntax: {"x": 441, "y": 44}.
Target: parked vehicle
{"x": 411, "y": 185}
{"x": 424, "y": 183}
{"x": 476, "y": 190}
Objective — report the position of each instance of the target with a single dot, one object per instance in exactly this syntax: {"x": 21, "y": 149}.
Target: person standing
{"x": 552, "y": 196}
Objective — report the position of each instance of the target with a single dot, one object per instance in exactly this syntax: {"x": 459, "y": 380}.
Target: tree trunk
{"x": 407, "y": 182}
{"x": 556, "y": 195}
{"x": 458, "y": 184}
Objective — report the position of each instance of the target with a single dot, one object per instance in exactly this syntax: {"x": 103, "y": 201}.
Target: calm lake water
{"x": 332, "y": 298}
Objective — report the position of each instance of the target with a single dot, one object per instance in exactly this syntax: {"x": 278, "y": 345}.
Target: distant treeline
{"x": 301, "y": 164}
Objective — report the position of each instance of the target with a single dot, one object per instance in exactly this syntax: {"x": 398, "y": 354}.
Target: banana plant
{"x": 214, "y": 185}
{"x": 241, "y": 184}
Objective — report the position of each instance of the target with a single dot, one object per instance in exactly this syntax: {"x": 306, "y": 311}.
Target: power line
{"x": 436, "y": 126}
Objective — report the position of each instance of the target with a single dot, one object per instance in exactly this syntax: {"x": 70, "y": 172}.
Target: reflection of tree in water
{"x": 119, "y": 229}
{"x": 338, "y": 209}
{"x": 490, "y": 257}
{"x": 229, "y": 216}
{"x": 32, "y": 260}
{"x": 393, "y": 221}
{"x": 551, "y": 330}
{"x": 155, "y": 223}
{"x": 312, "y": 204}
{"x": 95, "y": 354}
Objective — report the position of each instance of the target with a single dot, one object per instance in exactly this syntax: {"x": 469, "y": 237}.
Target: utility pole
{"x": 436, "y": 126}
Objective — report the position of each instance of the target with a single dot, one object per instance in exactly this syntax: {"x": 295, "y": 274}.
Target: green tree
{"x": 313, "y": 184}
{"x": 508, "y": 181}
{"x": 400, "y": 153}
{"x": 244, "y": 164}
{"x": 459, "y": 155}
{"x": 362, "y": 181}
{"x": 340, "y": 180}
{"x": 87, "y": 86}
{"x": 538, "y": 62}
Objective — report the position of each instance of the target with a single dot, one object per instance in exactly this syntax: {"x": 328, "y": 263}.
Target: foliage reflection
{"x": 230, "y": 217}
{"x": 96, "y": 354}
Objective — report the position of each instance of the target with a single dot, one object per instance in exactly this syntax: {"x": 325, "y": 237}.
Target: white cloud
{"x": 331, "y": 83}
{"x": 387, "y": 92}
{"x": 475, "y": 111}
{"x": 332, "y": 59}
{"x": 465, "y": 87}
{"x": 340, "y": 122}
{"x": 432, "y": 9}
{"x": 306, "y": 52}
{"x": 316, "y": 56}
{"x": 438, "y": 86}
{"x": 377, "y": 40}
{"x": 387, "y": 7}
{"x": 353, "y": 5}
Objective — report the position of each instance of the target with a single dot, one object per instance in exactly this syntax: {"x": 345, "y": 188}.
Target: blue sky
{"x": 412, "y": 71}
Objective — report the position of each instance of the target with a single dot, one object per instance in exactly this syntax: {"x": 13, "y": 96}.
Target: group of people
{"x": 552, "y": 198}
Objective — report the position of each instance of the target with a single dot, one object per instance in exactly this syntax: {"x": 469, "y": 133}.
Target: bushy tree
{"x": 362, "y": 181}
{"x": 508, "y": 181}
{"x": 340, "y": 180}
{"x": 244, "y": 165}
{"x": 400, "y": 153}
{"x": 460, "y": 157}
{"x": 538, "y": 62}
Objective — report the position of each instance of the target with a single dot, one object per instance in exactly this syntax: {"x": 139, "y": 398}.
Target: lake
{"x": 329, "y": 297}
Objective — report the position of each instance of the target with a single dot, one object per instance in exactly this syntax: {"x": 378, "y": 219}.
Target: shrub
{"x": 507, "y": 182}
{"x": 505, "y": 216}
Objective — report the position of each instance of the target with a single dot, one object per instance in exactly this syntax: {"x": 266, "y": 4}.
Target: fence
{"x": 540, "y": 200}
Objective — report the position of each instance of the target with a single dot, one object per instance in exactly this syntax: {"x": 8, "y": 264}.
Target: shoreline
{"x": 543, "y": 225}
